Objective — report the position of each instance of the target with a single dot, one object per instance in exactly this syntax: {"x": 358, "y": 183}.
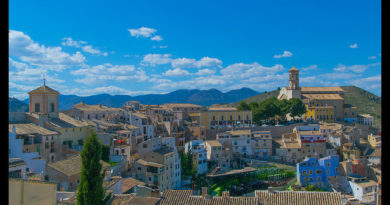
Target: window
{"x": 318, "y": 171}
{"x": 311, "y": 172}
{"x": 37, "y": 107}
{"x": 304, "y": 172}
{"x": 51, "y": 107}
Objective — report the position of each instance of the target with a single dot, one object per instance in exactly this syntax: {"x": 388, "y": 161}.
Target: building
{"x": 199, "y": 155}
{"x": 214, "y": 119}
{"x": 182, "y": 107}
{"x": 262, "y": 144}
{"x": 365, "y": 119}
{"x": 375, "y": 141}
{"x": 33, "y": 162}
{"x": 362, "y": 189}
{"x": 239, "y": 140}
{"x": 158, "y": 164}
{"x": 17, "y": 168}
{"x": 82, "y": 111}
{"x": 317, "y": 172}
{"x": 296, "y": 146}
{"x": 31, "y": 192}
{"x": 66, "y": 173}
{"x": 322, "y": 103}
{"x": 350, "y": 113}
{"x": 36, "y": 139}
{"x": 219, "y": 155}
{"x": 133, "y": 104}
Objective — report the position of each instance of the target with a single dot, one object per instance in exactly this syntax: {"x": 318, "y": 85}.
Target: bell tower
{"x": 44, "y": 101}
{"x": 294, "y": 78}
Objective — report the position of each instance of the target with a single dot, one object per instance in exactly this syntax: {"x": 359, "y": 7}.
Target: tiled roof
{"x": 222, "y": 109}
{"x": 86, "y": 107}
{"x": 132, "y": 199}
{"x": 262, "y": 197}
{"x": 129, "y": 183}
{"x": 72, "y": 165}
{"x": 44, "y": 89}
{"x": 180, "y": 105}
{"x": 240, "y": 132}
{"x": 30, "y": 128}
{"x": 213, "y": 143}
{"x": 321, "y": 89}
{"x": 367, "y": 183}
{"x": 323, "y": 96}
{"x": 185, "y": 197}
{"x": 146, "y": 163}
{"x": 140, "y": 115}
{"x": 298, "y": 197}
{"x": 293, "y": 69}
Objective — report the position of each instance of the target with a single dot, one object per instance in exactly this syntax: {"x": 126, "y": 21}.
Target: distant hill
{"x": 366, "y": 102}
{"x": 16, "y": 105}
{"x": 199, "y": 97}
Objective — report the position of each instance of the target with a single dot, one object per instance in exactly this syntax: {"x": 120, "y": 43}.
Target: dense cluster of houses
{"x": 145, "y": 143}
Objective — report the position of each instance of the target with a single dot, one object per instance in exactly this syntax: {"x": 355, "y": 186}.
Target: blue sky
{"x": 141, "y": 47}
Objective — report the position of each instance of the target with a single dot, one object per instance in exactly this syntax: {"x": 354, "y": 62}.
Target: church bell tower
{"x": 294, "y": 79}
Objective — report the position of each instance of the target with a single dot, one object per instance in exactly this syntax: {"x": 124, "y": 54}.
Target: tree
{"x": 106, "y": 153}
{"x": 297, "y": 107}
{"x": 243, "y": 106}
{"x": 284, "y": 108}
{"x": 90, "y": 189}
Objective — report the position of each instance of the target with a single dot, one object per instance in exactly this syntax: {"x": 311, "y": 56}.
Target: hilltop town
{"x": 180, "y": 153}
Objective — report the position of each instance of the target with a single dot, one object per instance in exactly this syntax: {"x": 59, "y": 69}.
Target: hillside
{"x": 199, "y": 97}
{"x": 366, "y": 102}
{"x": 16, "y": 105}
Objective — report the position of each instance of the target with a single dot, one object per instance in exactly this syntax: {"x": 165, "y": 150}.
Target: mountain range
{"x": 199, "y": 97}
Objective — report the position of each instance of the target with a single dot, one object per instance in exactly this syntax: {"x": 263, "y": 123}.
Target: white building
{"x": 365, "y": 119}
{"x": 362, "y": 189}
{"x": 33, "y": 163}
{"x": 240, "y": 141}
{"x": 145, "y": 128}
{"x": 199, "y": 155}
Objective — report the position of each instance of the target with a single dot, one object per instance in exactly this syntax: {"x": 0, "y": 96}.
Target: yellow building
{"x": 323, "y": 113}
{"x": 214, "y": 119}
{"x": 31, "y": 192}
{"x": 375, "y": 141}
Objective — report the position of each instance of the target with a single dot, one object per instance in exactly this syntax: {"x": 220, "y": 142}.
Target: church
{"x": 322, "y": 103}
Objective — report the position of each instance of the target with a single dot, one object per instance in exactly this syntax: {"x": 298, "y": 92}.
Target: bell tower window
{"x": 51, "y": 107}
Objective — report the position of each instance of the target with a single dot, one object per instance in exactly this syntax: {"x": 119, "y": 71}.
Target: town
{"x": 305, "y": 146}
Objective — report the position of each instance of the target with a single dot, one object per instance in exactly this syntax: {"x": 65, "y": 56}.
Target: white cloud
{"x": 371, "y": 57}
{"x": 354, "y": 68}
{"x": 334, "y": 76}
{"x": 355, "y": 45}
{"x": 156, "y": 59}
{"x": 67, "y": 41}
{"x": 107, "y": 72}
{"x": 143, "y": 31}
{"x": 159, "y": 59}
{"x": 90, "y": 50}
{"x": 21, "y": 46}
{"x": 163, "y": 46}
{"x": 284, "y": 55}
{"x": 243, "y": 71}
{"x": 312, "y": 67}
{"x": 177, "y": 72}
{"x": 205, "y": 72}
{"x": 372, "y": 83}
{"x": 156, "y": 38}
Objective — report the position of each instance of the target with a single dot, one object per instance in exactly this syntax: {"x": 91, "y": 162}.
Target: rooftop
{"x": 240, "y": 132}
{"x": 146, "y": 163}
{"x": 323, "y": 96}
{"x": 214, "y": 143}
{"x": 44, "y": 90}
{"x": 30, "y": 128}
{"x": 129, "y": 183}
{"x": 321, "y": 89}
{"x": 72, "y": 165}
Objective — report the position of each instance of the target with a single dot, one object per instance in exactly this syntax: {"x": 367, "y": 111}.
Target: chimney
{"x": 270, "y": 190}
{"x": 204, "y": 191}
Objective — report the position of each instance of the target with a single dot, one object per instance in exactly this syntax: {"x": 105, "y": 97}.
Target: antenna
{"x": 44, "y": 80}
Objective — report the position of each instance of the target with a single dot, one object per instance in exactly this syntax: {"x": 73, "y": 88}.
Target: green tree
{"x": 284, "y": 108}
{"x": 297, "y": 107}
{"x": 90, "y": 189}
{"x": 243, "y": 106}
{"x": 106, "y": 153}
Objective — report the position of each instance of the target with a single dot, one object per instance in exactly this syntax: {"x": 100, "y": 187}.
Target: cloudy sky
{"x": 141, "y": 47}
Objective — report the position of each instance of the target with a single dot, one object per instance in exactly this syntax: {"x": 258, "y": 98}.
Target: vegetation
{"x": 90, "y": 189}
{"x": 366, "y": 103}
{"x": 272, "y": 108}
{"x": 186, "y": 163}
{"x": 106, "y": 153}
